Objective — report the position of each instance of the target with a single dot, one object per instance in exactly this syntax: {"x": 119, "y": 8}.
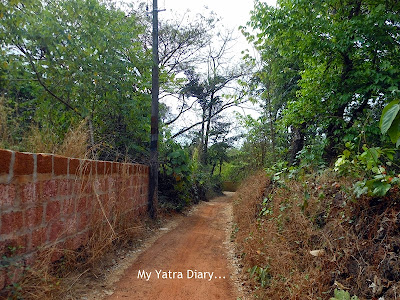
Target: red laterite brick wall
{"x": 48, "y": 199}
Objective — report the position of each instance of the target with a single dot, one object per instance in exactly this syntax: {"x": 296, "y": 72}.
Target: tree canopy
{"x": 328, "y": 67}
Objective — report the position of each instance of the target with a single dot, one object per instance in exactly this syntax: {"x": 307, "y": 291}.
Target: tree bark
{"x": 297, "y": 143}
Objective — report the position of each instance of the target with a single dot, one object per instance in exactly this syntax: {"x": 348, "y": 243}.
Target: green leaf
{"x": 394, "y": 130}
{"x": 341, "y": 295}
{"x": 381, "y": 189}
{"x": 389, "y": 113}
{"x": 346, "y": 153}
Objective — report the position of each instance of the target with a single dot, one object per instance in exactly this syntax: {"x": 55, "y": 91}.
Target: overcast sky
{"x": 233, "y": 13}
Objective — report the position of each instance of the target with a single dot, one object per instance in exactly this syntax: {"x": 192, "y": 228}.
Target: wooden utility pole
{"x": 153, "y": 184}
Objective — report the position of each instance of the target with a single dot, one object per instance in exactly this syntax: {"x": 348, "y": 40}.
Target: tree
{"x": 212, "y": 91}
{"x": 345, "y": 61}
{"x": 88, "y": 59}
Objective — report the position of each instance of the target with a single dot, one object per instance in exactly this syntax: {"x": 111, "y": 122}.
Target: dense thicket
{"x": 66, "y": 61}
{"x": 324, "y": 73}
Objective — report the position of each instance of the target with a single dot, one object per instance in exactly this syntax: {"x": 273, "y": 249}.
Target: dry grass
{"x": 40, "y": 140}
{"x": 280, "y": 241}
{"x": 360, "y": 240}
{"x": 6, "y": 139}
{"x": 75, "y": 142}
{"x": 66, "y": 278}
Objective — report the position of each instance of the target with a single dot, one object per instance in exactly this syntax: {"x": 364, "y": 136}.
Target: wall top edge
{"x": 66, "y": 157}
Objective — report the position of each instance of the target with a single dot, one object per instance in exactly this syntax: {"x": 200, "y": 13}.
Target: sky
{"x": 233, "y": 13}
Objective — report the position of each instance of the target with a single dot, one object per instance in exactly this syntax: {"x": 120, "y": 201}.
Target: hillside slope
{"x": 302, "y": 239}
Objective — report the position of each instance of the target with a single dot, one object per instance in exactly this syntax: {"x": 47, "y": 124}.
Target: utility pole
{"x": 153, "y": 184}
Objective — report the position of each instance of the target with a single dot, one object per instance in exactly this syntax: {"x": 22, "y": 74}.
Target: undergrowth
{"x": 304, "y": 238}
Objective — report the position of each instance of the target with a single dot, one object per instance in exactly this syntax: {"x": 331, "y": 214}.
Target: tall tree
{"x": 89, "y": 61}
{"x": 346, "y": 60}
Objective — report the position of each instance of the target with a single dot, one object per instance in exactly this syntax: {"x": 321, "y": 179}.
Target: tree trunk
{"x": 297, "y": 143}
{"x": 201, "y": 148}
{"x": 207, "y": 134}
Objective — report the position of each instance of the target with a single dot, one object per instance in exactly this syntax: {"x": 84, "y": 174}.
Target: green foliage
{"x": 343, "y": 295}
{"x": 81, "y": 59}
{"x": 325, "y": 64}
{"x": 176, "y": 176}
{"x": 311, "y": 156}
{"x": 372, "y": 166}
{"x": 266, "y": 208}
{"x": 262, "y": 275}
{"x": 390, "y": 121}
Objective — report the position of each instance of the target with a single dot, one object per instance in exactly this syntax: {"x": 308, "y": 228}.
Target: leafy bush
{"x": 343, "y": 295}
{"x": 372, "y": 166}
{"x": 175, "y": 180}
{"x": 390, "y": 121}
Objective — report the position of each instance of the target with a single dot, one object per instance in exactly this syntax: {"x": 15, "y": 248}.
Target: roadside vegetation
{"x": 320, "y": 220}
{"x": 317, "y": 216}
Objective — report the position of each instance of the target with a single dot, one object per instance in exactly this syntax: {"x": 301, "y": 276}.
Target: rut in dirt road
{"x": 189, "y": 262}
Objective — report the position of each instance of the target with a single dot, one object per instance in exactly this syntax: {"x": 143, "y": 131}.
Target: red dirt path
{"x": 197, "y": 243}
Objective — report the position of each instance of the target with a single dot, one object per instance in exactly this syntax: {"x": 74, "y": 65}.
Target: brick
{"x": 3, "y": 246}
{"x": 100, "y": 167}
{"x": 60, "y": 165}
{"x": 115, "y": 167}
{"x": 49, "y": 190}
{"x": 77, "y": 188}
{"x": 81, "y": 204}
{"x": 29, "y": 193}
{"x": 65, "y": 187}
{"x": 38, "y": 238}
{"x": 103, "y": 184}
{"x": 57, "y": 252}
{"x": 137, "y": 169}
{"x": 68, "y": 207}
{"x": 15, "y": 246}
{"x": 12, "y": 222}
{"x": 74, "y": 166}
{"x": 111, "y": 182}
{"x": 23, "y": 164}
{"x": 30, "y": 259}
{"x": 44, "y": 164}
{"x": 97, "y": 185}
{"x": 108, "y": 168}
{"x": 124, "y": 169}
{"x": 56, "y": 231}
{"x": 87, "y": 187}
{"x": 7, "y": 195}
{"x": 135, "y": 180}
{"x": 53, "y": 211}
{"x": 86, "y": 167}
{"x": 83, "y": 223}
{"x": 77, "y": 241}
{"x": 5, "y": 161}
{"x": 2, "y": 279}
{"x": 71, "y": 225}
{"x": 33, "y": 217}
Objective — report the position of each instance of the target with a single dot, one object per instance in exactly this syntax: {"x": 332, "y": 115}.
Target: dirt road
{"x": 188, "y": 262}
